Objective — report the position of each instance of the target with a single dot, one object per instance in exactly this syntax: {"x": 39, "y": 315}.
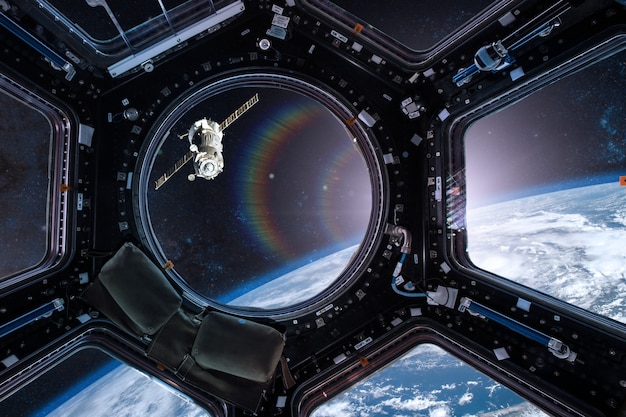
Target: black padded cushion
{"x": 238, "y": 347}
{"x": 140, "y": 289}
{"x": 175, "y": 339}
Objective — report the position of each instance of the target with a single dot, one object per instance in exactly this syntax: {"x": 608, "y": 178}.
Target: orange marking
{"x": 168, "y": 265}
{"x": 351, "y": 121}
{"x": 358, "y": 28}
{"x": 363, "y": 361}
{"x": 622, "y": 180}
{"x": 65, "y": 188}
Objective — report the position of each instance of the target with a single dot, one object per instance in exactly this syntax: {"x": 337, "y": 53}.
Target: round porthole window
{"x": 262, "y": 191}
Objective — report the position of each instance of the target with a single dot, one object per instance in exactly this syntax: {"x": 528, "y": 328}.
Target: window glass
{"x": 428, "y": 381}
{"x": 546, "y": 189}
{"x": 416, "y": 23}
{"x": 126, "y": 26}
{"x": 286, "y": 214}
{"x": 24, "y": 163}
{"x": 33, "y": 163}
{"x": 90, "y": 383}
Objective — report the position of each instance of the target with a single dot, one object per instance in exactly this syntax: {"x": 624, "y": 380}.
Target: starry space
{"x": 24, "y": 156}
{"x": 569, "y": 134}
{"x": 295, "y": 188}
{"x": 416, "y": 24}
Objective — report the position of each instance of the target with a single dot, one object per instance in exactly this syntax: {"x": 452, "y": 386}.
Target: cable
{"x": 394, "y": 277}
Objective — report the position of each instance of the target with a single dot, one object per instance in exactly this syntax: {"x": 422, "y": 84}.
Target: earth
{"x": 129, "y": 393}
{"x": 299, "y": 285}
{"x": 428, "y": 382}
{"x": 568, "y": 244}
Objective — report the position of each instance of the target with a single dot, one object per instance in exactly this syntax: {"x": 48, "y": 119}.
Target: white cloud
{"x": 378, "y": 391}
{"x": 466, "y": 398}
{"x": 562, "y": 243}
{"x": 441, "y": 411}
{"x": 493, "y": 388}
{"x": 335, "y": 408}
{"x": 412, "y": 404}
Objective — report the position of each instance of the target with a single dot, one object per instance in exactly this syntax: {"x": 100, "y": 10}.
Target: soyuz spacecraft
{"x": 205, "y": 146}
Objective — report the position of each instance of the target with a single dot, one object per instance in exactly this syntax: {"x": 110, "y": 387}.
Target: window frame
{"x": 114, "y": 52}
{"x": 324, "y": 387}
{"x": 61, "y": 207}
{"x": 335, "y": 103}
{"x": 397, "y": 51}
{"x": 103, "y": 336}
{"x": 454, "y": 133}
